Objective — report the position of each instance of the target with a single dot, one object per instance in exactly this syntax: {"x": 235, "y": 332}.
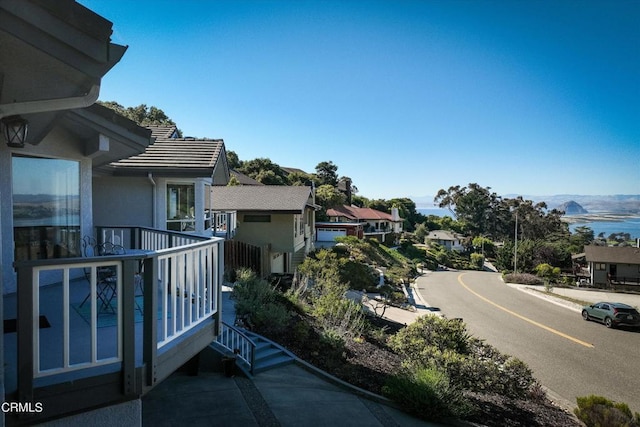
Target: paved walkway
{"x": 286, "y": 396}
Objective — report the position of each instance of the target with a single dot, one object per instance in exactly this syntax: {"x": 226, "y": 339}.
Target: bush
{"x": 523, "y": 279}
{"x": 440, "y": 332}
{"x": 477, "y": 261}
{"x": 260, "y": 302}
{"x": 427, "y": 394}
{"x": 597, "y": 411}
{"x": 435, "y": 342}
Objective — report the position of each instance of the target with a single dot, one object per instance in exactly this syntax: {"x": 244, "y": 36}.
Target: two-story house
{"x": 378, "y": 225}
{"x": 278, "y": 218}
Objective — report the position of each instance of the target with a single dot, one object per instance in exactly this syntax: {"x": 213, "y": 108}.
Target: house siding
{"x": 122, "y": 201}
{"x": 278, "y": 233}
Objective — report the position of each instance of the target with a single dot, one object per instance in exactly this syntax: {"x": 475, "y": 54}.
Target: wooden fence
{"x": 243, "y": 255}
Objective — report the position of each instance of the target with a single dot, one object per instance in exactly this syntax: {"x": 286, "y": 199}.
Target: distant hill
{"x": 617, "y": 203}
{"x": 572, "y": 208}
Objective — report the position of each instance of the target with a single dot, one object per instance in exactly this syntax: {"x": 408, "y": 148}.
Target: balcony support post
{"x": 25, "y": 329}
{"x": 131, "y": 386}
{"x": 150, "y": 325}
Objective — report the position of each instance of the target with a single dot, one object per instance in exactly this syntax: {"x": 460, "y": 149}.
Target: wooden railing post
{"x": 129, "y": 270}
{"x": 150, "y": 325}
{"x": 25, "y": 329}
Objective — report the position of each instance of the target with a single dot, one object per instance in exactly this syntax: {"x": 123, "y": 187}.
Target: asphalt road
{"x": 569, "y": 356}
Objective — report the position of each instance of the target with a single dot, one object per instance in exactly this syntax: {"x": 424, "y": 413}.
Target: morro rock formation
{"x": 572, "y": 208}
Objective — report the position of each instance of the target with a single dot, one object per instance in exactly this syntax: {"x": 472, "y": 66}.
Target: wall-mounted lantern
{"x": 14, "y": 129}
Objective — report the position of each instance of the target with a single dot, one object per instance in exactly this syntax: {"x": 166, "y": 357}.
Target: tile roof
{"x": 271, "y": 198}
{"x": 612, "y": 254}
{"x": 173, "y": 156}
{"x": 163, "y": 131}
{"x": 356, "y": 213}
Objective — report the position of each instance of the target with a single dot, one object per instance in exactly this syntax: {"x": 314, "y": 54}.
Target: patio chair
{"x": 106, "y": 277}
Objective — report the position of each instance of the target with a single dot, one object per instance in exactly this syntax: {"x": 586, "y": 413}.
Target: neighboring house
{"x": 446, "y": 238}
{"x": 56, "y": 349}
{"x": 275, "y": 217}
{"x": 243, "y": 179}
{"x": 377, "y": 224}
{"x": 167, "y": 186}
{"x": 326, "y": 232}
{"x": 613, "y": 265}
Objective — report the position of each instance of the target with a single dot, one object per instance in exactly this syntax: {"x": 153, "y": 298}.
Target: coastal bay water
{"x": 627, "y": 224}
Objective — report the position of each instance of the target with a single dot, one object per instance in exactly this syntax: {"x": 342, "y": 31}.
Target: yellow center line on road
{"x": 526, "y": 319}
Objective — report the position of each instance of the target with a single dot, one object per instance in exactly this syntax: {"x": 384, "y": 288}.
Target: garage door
{"x": 329, "y": 235}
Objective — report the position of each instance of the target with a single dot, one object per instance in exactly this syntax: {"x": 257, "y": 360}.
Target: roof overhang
{"x": 54, "y": 54}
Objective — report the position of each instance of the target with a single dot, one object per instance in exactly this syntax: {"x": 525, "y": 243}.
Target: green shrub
{"x": 260, "y": 302}
{"x": 430, "y": 330}
{"x": 523, "y": 279}
{"x": 598, "y": 411}
{"x": 471, "y": 364}
{"x": 427, "y": 394}
{"x": 477, "y": 261}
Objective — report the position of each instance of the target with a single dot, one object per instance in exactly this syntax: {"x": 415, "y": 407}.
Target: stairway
{"x": 268, "y": 355}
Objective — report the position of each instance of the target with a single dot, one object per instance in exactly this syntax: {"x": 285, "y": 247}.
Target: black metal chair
{"x": 106, "y": 277}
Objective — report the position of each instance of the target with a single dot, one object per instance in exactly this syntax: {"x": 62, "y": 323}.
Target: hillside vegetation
{"x": 433, "y": 368}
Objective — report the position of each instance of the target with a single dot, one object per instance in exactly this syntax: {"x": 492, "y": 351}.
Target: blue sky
{"x": 405, "y": 97}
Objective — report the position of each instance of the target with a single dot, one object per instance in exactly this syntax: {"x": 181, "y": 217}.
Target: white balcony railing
{"x": 154, "y": 311}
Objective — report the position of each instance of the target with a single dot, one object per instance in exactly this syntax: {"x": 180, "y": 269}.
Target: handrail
{"x": 181, "y": 291}
{"x": 234, "y": 340}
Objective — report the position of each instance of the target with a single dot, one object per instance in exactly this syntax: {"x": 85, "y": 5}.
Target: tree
{"x": 264, "y": 171}
{"x": 474, "y": 207}
{"x": 233, "y": 181}
{"x": 326, "y": 174}
{"x": 327, "y": 197}
{"x": 300, "y": 179}
{"x": 142, "y": 115}
{"x": 233, "y": 161}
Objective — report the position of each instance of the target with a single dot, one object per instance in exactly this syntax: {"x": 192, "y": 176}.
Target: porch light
{"x": 14, "y": 129}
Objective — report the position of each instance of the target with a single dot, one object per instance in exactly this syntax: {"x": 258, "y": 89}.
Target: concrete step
{"x": 268, "y": 355}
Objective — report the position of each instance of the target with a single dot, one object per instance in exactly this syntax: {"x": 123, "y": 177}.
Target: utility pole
{"x": 515, "y": 251}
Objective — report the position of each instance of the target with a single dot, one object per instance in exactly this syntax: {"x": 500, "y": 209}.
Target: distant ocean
{"x": 630, "y": 225}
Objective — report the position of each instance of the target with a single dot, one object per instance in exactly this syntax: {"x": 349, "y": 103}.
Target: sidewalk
{"x": 286, "y": 396}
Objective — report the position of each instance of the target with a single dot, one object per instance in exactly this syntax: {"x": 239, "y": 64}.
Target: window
{"x": 295, "y": 226}
{"x": 181, "y": 207}
{"x": 46, "y": 208}
{"x": 601, "y": 266}
{"x": 257, "y": 218}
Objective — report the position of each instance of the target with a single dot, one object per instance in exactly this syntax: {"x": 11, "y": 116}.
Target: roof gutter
{"x": 153, "y": 199}
{"x": 46, "y": 105}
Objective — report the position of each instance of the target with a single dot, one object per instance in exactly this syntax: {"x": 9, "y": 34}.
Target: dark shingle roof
{"x": 272, "y": 198}
{"x": 244, "y": 179}
{"x": 612, "y": 254}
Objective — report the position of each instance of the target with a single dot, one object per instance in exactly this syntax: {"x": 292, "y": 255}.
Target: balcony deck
{"x": 83, "y": 357}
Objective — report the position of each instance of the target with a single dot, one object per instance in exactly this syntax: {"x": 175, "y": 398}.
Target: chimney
{"x": 395, "y": 214}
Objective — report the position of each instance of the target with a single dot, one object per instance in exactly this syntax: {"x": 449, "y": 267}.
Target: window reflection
{"x": 46, "y": 208}
{"x": 181, "y": 207}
